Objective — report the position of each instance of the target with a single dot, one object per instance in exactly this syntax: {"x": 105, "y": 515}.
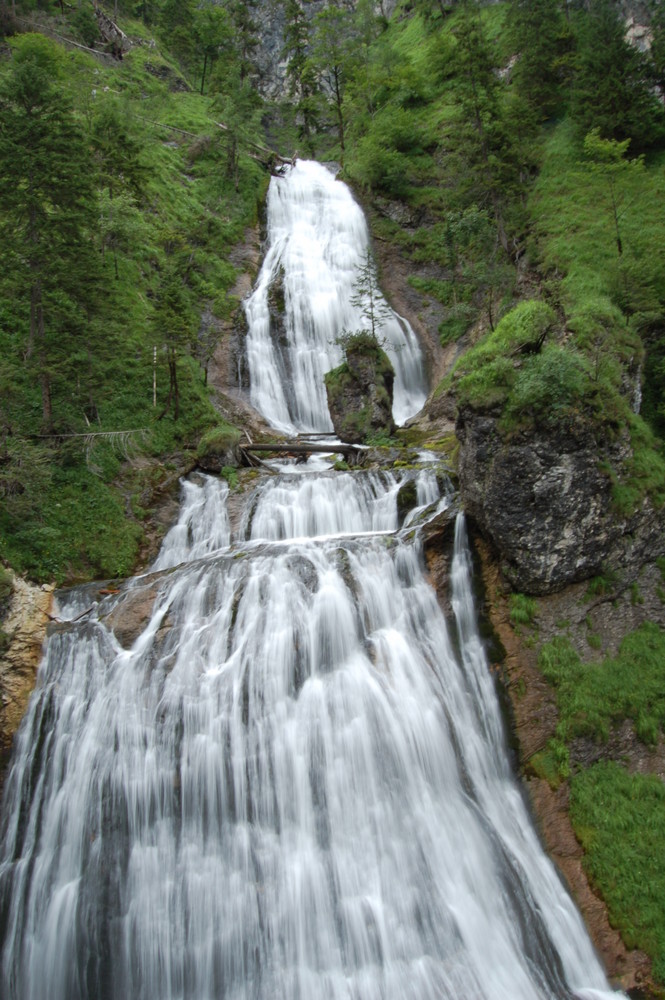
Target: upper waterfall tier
{"x": 317, "y": 240}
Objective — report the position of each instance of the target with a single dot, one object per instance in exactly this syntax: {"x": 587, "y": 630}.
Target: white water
{"x": 289, "y": 787}
{"x": 317, "y": 238}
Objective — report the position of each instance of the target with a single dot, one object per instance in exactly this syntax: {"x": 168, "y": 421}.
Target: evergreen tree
{"x": 239, "y": 108}
{"x": 117, "y": 153}
{"x": 172, "y": 322}
{"x": 540, "y": 35}
{"x": 213, "y": 32}
{"x": 486, "y": 160}
{"x": 176, "y": 19}
{"x": 367, "y": 296}
{"x": 611, "y": 90}
{"x": 47, "y": 193}
{"x": 245, "y": 33}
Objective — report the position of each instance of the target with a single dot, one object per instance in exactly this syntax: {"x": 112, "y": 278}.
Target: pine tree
{"x": 367, "y": 296}
{"x": 239, "y": 108}
{"x": 47, "y": 193}
{"x": 333, "y": 58}
{"x": 245, "y": 33}
{"x": 611, "y": 90}
{"x": 213, "y": 35}
{"x": 485, "y": 157}
{"x": 541, "y": 38}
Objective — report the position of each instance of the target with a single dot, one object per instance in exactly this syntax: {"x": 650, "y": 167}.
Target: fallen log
{"x": 303, "y": 449}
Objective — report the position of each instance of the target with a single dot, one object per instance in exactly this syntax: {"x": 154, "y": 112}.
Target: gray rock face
{"x": 544, "y": 501}
{"x": 270, "y": 60}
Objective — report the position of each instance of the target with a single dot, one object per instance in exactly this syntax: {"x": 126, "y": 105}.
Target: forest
{"x": 511, "y": 153}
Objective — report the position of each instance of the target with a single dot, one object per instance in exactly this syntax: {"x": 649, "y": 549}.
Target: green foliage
{"x": 593, "y": 696}
{"x": 364, "y": 360}
{"x": 610, "y": 88}
{"x": 552, "y": 763}
{"x": 620, "y": 820}
{"x": 523, "y": 609}
{"x": 507, "y": 368}
{"x": 6, "y": 589}
{"x": 146, "y": 228}
{"x": 219, "y": 440}
{"x": 540, "y": 35}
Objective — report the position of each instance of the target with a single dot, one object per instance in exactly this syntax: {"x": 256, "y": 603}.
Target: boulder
{"x": 544, "y": 500}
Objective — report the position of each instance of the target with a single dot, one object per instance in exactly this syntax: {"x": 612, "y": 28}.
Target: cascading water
{"x": 288, "y": 786}
{"x": 291, "y": 782}
{"x": 317, "y": 240}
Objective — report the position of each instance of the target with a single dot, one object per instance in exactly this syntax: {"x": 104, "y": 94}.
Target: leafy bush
{"x": 547, "y": 385}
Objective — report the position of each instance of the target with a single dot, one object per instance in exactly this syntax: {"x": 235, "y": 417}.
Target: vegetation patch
{"x": 592, "y": 697}
{"x": 619, "y": 818}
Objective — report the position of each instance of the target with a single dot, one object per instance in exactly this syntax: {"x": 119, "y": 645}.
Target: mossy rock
{"x": 360, "y": 391}
{"x": 218, "y": 448}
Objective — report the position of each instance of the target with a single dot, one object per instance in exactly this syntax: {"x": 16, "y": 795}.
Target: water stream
{"x": 317, "y": 240}
{"x": 288, "y": 782}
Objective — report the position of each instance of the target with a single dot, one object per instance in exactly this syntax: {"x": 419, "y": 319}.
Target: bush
{"x": 547, "y": 385}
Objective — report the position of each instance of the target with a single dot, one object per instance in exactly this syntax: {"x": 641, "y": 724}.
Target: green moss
{"x": 219, "y": 440}
{"x": 552, "y": 763}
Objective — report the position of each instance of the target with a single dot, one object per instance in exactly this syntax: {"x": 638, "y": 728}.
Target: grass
{"x": 523, "y": 609}
{"x": 592, "y": 697}
{"x": 619, "y": 819}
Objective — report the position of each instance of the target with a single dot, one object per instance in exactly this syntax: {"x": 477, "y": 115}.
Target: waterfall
{"x": 270, "y": 767}
{"x": 317, "y": 239}
{"x": 289, "y": 785}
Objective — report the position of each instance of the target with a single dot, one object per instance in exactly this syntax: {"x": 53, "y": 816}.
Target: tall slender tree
{"x": 541, "y": 37}
{"x": 333, "y": 49}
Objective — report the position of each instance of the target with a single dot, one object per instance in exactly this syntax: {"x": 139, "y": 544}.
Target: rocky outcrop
{"x": 25, "y": 628}
{"x": 544, "y": 501}
{"x": 360, "y": 392}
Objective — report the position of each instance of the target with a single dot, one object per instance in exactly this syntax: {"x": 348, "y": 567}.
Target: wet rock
{"x": 130, "y": 613}
{"x": 544, "y": 501}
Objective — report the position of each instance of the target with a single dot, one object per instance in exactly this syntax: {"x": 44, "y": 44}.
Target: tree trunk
{"x": 205, "y": 66}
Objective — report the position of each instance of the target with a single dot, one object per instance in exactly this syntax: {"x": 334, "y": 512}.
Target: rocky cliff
{"x": 544, "y": 500}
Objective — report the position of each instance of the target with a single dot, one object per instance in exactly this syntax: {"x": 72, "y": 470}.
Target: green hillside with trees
{"x": 514, "y": 156}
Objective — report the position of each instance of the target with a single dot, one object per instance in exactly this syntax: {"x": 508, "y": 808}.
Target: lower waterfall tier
{"x": 293, "y": 784}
